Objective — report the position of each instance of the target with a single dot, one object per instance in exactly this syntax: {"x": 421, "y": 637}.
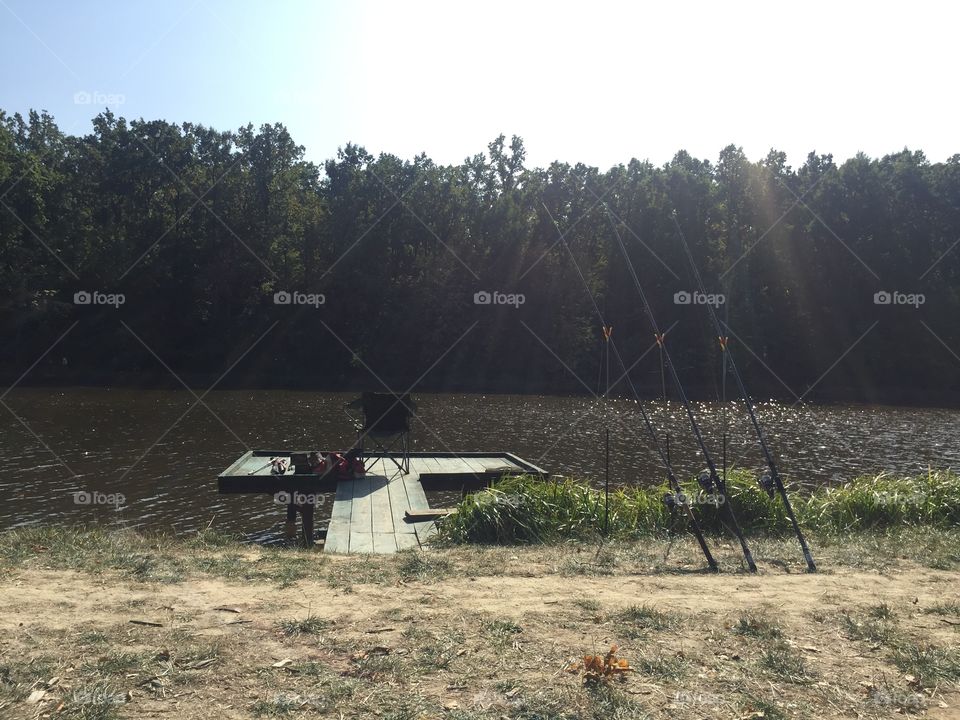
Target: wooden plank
{"x": 384, "y": 543}
{"x": 449, "y": 465}
{"x": 399, "y": 506}
{"x": 338, "y": 537}
{"x": 420, "y": 464}
{"x": 381, "y": 513}
{"x": 526, "y": 465}
{"x": 475, "y": 464}
{"x": 338, "y": 531}
{"x": 407, "y": 541}
{"x": 360, "y": 542}
{"x": 431, "y": 464}
{"x": 343, "y": 501}
{"x": 432, "y": 514}
{"x": 361, "y": 516}
{"x": 416, "y": 498}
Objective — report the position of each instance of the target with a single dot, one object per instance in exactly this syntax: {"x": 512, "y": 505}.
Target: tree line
{"x": 154, "y": 245}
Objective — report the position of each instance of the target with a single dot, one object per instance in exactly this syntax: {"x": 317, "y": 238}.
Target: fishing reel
{"x": 707, "y": 481}
{"x": 765, "y": 481}
{"x": 670, "y": 502}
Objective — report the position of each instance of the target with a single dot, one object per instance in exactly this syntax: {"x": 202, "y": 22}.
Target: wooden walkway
{"x": 369, "y": 513}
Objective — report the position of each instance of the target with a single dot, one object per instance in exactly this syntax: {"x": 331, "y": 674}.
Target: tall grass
{"x": 525, "y": 509}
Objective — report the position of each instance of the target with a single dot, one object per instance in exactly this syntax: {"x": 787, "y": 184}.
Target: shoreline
{"x": 902, "y": 398}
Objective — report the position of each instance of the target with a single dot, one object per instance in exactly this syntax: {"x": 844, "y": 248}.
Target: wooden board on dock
{"x": 431, "y": 514}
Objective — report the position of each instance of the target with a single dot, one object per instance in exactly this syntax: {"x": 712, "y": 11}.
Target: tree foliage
{"x": 198, "y": 229}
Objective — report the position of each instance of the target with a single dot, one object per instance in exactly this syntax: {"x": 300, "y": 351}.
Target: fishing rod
{"x": 708, "y": 479}
{"x": 770, "y": 481}
{"x": 677, "y": 496}
{"x": 672, "y": 479}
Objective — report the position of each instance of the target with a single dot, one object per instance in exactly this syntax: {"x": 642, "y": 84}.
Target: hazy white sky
{"x": 596, "y": 82}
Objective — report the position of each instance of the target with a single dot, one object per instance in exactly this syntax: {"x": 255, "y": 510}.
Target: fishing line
{"x": 775, "y": 481}
{"x": 713, "y": 480}
{"x": 672, "y": 479}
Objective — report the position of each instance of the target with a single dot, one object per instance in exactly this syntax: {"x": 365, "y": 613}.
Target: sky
{"x": 592, "y": 81}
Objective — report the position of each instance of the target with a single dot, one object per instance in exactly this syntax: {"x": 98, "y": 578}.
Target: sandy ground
{"x": 72, "y": 644}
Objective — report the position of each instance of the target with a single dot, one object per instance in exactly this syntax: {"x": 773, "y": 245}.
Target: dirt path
{"x": 778, "y": 645}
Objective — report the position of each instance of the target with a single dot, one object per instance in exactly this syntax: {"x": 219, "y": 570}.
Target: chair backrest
{"x": 386, "y": 412}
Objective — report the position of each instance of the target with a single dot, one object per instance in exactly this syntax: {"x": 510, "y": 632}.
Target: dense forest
{"x": 147, "y": 243}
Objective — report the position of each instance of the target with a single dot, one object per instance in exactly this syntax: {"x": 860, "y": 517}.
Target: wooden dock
{"x": 370, "y": 513}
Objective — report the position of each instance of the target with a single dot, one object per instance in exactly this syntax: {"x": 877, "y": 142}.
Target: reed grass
{"x": 525, "y": 509}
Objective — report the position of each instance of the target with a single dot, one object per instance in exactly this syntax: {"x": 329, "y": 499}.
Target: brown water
{"x": 163, "y": 456}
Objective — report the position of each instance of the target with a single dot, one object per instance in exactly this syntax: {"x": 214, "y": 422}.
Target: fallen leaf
{"x": 282, "y": 663}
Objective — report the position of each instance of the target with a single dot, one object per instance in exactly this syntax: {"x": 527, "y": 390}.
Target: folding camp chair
{"x": 385, "y": 421}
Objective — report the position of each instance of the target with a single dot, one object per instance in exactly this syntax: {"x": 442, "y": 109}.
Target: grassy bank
{"x": 107, "y": 624}
{"x": 524, "y": 509}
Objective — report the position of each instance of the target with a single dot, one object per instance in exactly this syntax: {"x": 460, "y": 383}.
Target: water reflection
{"x": 162, "y": 451}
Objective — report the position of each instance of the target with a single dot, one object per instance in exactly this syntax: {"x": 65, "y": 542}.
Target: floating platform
{"x": 369, "y": 513}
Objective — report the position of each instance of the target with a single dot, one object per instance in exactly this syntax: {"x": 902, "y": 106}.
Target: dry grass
{"x": 408, "y": 636}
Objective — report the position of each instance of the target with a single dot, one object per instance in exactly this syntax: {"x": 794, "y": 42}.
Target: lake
{"x": 162, "y": 450}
